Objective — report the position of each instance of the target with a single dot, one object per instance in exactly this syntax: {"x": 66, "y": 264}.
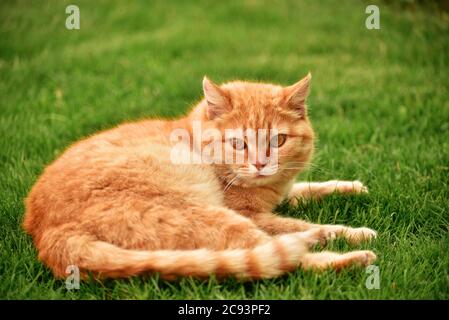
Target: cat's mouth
{"x": 262, "y": 177}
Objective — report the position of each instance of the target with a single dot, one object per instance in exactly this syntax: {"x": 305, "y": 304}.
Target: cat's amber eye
{"x": 278, "y": 140}
{"x": 238, "y": 144}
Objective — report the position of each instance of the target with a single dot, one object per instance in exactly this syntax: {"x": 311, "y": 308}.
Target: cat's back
{"x": 127, "y": 163}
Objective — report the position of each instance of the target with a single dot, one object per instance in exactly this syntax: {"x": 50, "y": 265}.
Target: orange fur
{"x": 115, "y": 205}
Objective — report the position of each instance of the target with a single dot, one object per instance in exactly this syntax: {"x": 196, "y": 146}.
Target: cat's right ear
{"x": 217, "y": 100}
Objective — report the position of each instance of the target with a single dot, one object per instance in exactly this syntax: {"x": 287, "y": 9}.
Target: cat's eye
{"x": 278, "y": 140}
{"x": 238, "y": 144}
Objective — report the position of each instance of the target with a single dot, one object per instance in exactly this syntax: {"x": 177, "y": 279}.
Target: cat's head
{"x": 239, "y": 110}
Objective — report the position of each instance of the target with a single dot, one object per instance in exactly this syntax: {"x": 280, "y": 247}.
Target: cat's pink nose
{"x": 259, "y": 166}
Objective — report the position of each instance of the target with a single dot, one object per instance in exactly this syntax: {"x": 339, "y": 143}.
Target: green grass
{"x": 379, "y": 103}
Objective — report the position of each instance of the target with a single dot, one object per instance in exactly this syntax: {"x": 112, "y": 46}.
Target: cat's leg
{"x": 317, "y": 190}
{"x": 236, "y": 240}
{"x": 332, "y": 260}
{"x": 220, "y": 228}
{"x": 273, "y": 224}
{"x": 217, "y": 228}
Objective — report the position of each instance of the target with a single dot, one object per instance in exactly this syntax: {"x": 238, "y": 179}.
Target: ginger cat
{"x": 116, "y": 205}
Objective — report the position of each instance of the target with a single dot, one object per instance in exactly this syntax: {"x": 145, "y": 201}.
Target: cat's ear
{"x": 296, "y": 95}
{"x": 217, "y": 100}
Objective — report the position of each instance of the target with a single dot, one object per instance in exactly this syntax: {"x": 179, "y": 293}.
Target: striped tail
{"x": 277, "y": 256}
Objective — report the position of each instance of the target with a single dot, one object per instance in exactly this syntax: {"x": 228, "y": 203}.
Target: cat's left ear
{"x": 296, "y": 95}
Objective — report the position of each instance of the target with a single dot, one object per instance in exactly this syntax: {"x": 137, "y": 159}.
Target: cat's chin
{"x": 257, "y": 181}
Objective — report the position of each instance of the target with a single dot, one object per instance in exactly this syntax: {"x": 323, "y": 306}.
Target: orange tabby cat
{"x": 116, "y": 205}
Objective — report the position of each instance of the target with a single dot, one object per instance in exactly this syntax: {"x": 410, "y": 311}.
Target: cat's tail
{"x": 273, "y": 258}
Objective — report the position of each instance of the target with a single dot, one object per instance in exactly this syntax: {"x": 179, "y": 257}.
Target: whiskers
{"x": 231, "y": 181}
{"x": 295, "y": 165}
{"x": 251, "y": 172}
{"x": 301, "y": 165}
{"x": 247, "y": 174}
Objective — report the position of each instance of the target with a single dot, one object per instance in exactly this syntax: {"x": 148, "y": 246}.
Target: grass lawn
{"x": 379, "y": 104}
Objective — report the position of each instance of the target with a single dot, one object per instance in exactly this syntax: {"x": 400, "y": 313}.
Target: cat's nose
{"x": 259, "y": 166}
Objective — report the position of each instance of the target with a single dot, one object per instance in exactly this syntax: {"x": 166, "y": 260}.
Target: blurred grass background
{"x": 379, "y": 103}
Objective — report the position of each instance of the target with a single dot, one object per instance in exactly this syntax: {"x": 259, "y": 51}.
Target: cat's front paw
{"x": 317, "y": 190}
{"x": 357, "y": 235}
{"x": 340, "y": 186}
